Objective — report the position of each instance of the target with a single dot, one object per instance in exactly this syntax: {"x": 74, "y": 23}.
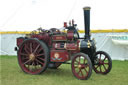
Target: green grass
{"x": 11, "y": 74}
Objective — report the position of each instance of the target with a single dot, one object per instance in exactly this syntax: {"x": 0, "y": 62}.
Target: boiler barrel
{"x": 87, "y": 22}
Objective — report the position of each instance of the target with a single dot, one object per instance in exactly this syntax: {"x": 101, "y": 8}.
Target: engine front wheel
{"x": 103, "y": 63}
{"x": 81, "y": 66}
{"x": 33, "y": 56}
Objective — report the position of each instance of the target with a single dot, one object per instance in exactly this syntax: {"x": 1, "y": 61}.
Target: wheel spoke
{"x": 31, "y": 47}
{"x": 104, "y": 67}
{"x": 104, "y": 58}
{"x": 33, "y": 64}
{"x": 39, "y": 50}
{"x": 26, "y": 51}
{"x": 82, "y": 73}
{"x": 27, "y": 61}
{"x": 24, "y": 58}
{"x": 75, "y": 66}
{"x": 41, "y": 58}
{"x": 39, "y": 55}
{"x": 79, "y": 59}
{"x": 100, "y": 69}
{"x": 25, "y": 48}
{"x": 106, "y": 63}
{"x": 85, "y": 70}
{"x": 79, "y": 71}
{"x": 100, "y": 57}
{"x": 36, "y": 48}
{"x": 23, "y": 54}
{"x": 86, "y": 65}
{"x": 84, "y": 61}
{"x": 39, "y": 61}
{"x": 76, "y": 61}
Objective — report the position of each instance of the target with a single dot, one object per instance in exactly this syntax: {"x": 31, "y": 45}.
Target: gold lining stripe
{"x": 80, "y": 31}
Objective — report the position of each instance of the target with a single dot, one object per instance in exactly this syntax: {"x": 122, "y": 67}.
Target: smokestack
{"x": 87, "y": 22}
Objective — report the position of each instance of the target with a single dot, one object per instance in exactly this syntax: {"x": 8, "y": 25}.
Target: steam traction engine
{"x": 51, "y": 48}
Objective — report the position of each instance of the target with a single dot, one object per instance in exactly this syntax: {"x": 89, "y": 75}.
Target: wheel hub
{"x": 31, "y": 57}
{"x": 81, "y": 66}
{"x": 101, "y": 62}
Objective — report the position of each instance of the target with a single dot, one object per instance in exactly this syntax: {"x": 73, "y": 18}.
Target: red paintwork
{"x": 44, "y": 37}
{"x": 63, "y": 44}
{"x": 66, "y": 46}
{"x": 65, "y": 24}
{"x": 71, "y": 46}
{"x": 60, "y": 43}
{"x": 59, "y": 55}
{"x": 59, "y": 38}
{"x": 57, "y": 46}
{"x": 70, "y": 34}
{"x": 19, "y": 41}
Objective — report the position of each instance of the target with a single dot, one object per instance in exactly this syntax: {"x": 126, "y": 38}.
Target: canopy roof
{"x": 28, "y": 15}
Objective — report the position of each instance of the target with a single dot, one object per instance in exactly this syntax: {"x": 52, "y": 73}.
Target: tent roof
{"x": 28, "y": 15}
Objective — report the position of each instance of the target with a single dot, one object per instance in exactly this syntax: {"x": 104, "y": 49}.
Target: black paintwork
{"x": 88, "y": 50}
{"x": 87, "y": 23}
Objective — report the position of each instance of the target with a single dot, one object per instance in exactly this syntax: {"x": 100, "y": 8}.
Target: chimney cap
{"x": 87, "y": 8}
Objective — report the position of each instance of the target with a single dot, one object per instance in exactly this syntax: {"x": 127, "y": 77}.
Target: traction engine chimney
{"x": 87, "y": 22}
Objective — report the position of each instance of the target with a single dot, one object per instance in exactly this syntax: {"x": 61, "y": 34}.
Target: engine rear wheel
{"x": 103, "y": 63}
{"x": 81, "y": 66}
{"x": 33, "y": 56}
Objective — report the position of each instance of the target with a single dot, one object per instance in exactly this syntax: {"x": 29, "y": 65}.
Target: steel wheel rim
{"x": 80, "y": 67}
{"x": 31, "y": 56}
{"x": 103, "y": 63}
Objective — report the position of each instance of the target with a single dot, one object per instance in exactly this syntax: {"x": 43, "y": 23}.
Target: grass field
{"x": 11, "y": 74}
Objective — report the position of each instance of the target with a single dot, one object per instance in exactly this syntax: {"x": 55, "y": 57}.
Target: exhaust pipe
{"x": 87, "y": 22}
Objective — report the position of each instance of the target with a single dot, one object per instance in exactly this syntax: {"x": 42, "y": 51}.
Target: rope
{"x": 74, "y": 5}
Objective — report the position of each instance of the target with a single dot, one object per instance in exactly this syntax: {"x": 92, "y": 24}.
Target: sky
{"x": 28, "y": 15}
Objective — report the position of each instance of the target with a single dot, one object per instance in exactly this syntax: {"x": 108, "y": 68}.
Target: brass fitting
{"x": 89, "y": 44}
{"x": 87, "y": 8}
